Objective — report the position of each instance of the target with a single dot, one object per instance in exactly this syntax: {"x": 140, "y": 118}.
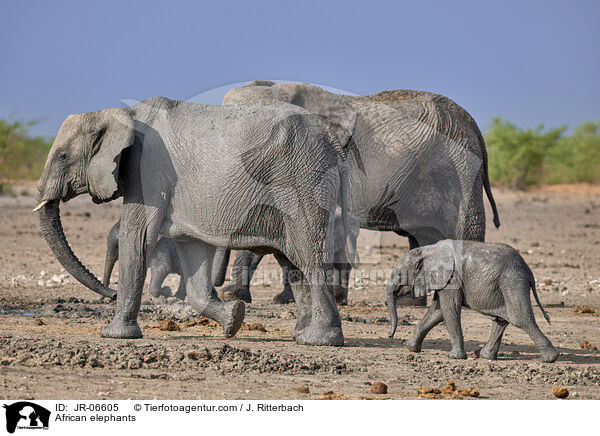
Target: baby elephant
{"x": 491, "y": 278}
{"x": 164, "y": 261}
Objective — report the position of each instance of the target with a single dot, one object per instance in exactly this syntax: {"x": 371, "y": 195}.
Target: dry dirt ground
{"x": 63, "y": 357}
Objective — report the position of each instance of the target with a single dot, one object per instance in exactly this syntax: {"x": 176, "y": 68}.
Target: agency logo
{"x": 26, "y": 415}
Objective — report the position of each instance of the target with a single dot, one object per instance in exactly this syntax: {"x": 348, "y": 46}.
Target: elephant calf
{"x": 491, "y": 278}
{"x": 163, "y": 261}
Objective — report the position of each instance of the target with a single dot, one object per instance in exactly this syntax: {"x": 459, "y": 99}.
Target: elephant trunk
{"x": 390, "y": 297}
{"x": 52, "y": 231}
{"x": 220, "y": 263}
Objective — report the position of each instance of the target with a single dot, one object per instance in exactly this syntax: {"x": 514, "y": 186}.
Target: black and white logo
{"x": 26, "y": 415}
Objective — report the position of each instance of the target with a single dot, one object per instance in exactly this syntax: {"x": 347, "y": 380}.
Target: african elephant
{"x": 163, "y": 261}
{"x": 249, "y": 176}
{"x": 491, "y": 278}
{"x": 417, "y": 164}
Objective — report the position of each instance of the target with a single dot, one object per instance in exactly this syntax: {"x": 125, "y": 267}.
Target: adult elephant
{"x": 251, "y": 176}
{"x": 417, "y": 165}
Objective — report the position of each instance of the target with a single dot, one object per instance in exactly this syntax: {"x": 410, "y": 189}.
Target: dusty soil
{"x": 63, "y": 356}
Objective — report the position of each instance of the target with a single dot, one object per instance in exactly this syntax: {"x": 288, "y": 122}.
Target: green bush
{"x": 522, "y": 157}
{"x": 21, "y": 156}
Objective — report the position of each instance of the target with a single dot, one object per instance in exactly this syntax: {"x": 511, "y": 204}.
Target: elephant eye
{"x": 62, "y": 156}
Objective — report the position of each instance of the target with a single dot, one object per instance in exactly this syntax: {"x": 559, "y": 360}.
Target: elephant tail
{"x": 351, "y": 226}
{"x": 535, "y": 295}
{"x": 486, "y": 182}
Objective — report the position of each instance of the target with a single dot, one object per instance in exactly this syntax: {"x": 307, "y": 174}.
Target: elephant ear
{"x": 435, "y": 267}
{"x": 114, "y": 132}
{"x": 340, "y": 116}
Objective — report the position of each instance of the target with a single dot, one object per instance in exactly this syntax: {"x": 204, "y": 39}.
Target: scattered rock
{"x": 303, "y": 389}
{"x": 254, "y": 326}
{"x": 429, "y": 392}
{"x": 206, "y": 322}
{"x": 379, "y": 388}
{"x": 38, "y": 321}
{"x": 547, "y": 282}
{"x": 330, "y": 395}
{"x": 535, "y": 244}
{"x": 560, "y": 391}
{"x": 450, "y": 390}
{"x": 168, "y": 325}
{"x": 189, "y": 323}
{"x": 587, "y": 346}
{"x": 449, "y": 387}
{"x": 584, "y": 309}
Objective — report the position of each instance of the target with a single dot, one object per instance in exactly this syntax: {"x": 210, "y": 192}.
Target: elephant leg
{"x": 286, "y": 296}
{"x": 112, "y": 253}
{"x": 547, "y": 350}
{"x": 408, "y": 300}
{"x": 300, "y": 294}
{"x": 181, "y": 292}
{"x": 340, "y": 286}
{"x": 158, "y": 274}
{"x": 325, "y": 327}
{"x": 196, "y": 262}
{"x": 490, "y": 350}
{"x": 133, "y": 247}
{"x": 243, "y": 269}
{"x": 432, "y": 318}
{"x": 450, "y": 306}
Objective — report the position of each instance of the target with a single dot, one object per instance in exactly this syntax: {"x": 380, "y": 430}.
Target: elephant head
{"x": 85, "y": 157}
{"x": 333, "y": 108}
{"x": 421, "y": 270}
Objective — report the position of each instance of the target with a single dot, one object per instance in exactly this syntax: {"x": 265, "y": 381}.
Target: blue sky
{"x": 530, "y": 62}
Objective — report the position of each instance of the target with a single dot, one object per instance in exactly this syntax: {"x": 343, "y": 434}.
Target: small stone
{"x": 330, "y": 395}
{"x": 38, "y": 321}
{"x": 254, "y": 326}
{"x": 584, "y": 309}
{"x": 168, "y": 325}
{"x": 428, "y": 390}
{"x": 587, "y": 346}
{"x": 379, "y": 388}
{"x": 535, "y": 244}
{"x": 547, "y": 282}
{"x": 560, "y": 391}
{"x": 303, "y": 389}
{"x": 449, "y": 387}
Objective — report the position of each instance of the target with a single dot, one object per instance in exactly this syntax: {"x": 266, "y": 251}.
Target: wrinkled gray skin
{"x": 417, "y": 165}
{"x": 340, "y": 271}
{"x": 491, "y": 278}
{"x": 254, "y": 176}
{"x": 163, "y": 261}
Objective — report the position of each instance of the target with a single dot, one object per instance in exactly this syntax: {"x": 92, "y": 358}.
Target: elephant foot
{"x": 486, "y": 354}
{"x": 240, "y": 292}
{"x": 165, "y": 291}
{"x": 550, "y": 356}
{"x": 120, "y": 329}
{"x": 413, "y": 346}
{"x": 407, "y": 300}
{"x": 341, "y": 295}
{"x": 235, "y": 312}
{"x": 457, "y": 354}
{"x": 284, "y": 297}
{"x": 314, "y": 335}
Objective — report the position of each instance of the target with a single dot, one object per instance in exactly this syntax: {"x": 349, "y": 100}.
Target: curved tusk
{"x": 39, "y": 206}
